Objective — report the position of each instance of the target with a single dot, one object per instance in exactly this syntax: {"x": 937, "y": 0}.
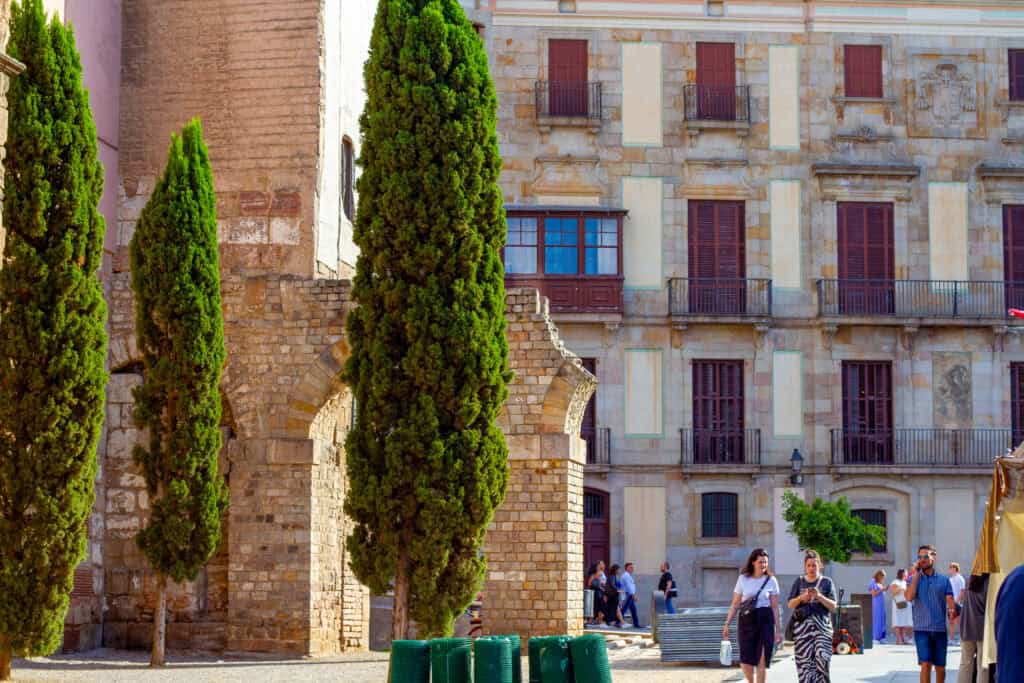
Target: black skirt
{"x": 757, "y": 636}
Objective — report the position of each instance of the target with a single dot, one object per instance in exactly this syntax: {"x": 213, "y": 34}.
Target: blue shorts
{"x": 931, "y": 647}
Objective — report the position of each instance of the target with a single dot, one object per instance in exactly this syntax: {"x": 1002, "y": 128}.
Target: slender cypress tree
{"x": 176, "y": 279}
{"x": 427, "y": 463}
{"x": 52, "y": 335}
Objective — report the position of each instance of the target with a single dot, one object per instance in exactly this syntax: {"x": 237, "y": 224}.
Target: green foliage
{"x": 427, "y": 463}
{"x": 52, "y": 333}
{"x": 829, "y": 528}
{"x": 176, "y": 279}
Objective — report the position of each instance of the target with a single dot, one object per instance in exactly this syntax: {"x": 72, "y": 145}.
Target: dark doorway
{"x": 866, "y": 259}
{"x": 596, "y": 539}
{"x": 867, "y": 412}
{"x": 588, "y": 428}
{"x": 567, "y": 77}
{"x": 1013, "y": 254}
{"x": 718, "y": 412}
{"x": 716, "y": 81}
{"x": 717, "y": 257}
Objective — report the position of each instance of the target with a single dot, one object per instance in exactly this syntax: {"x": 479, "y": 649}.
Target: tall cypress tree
{"x": 176, "y": 279}
{"x": 427, "y": 463}
{"x": 52, "y": 335}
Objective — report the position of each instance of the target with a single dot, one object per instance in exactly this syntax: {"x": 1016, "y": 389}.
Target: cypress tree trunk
{"x": 5, "y": 661}
{"x": 156, "y": 658}
{"x": 400, "y": 605}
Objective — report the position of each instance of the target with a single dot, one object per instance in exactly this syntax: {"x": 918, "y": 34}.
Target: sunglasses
{"x": 924, "y": 557}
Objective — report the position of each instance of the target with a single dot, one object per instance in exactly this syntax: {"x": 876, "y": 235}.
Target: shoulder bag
{"x": 748, "y": 606}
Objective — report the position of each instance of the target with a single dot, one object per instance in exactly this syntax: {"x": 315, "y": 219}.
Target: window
{"x": 716, "y": 81}
{"x": 601, "y": 256}
{"x": 867, "y": 412}
{"x": 719, "y": 515}
{"x": 717, "y": 257}
{"x": 876, "y": 517}
{"x": 1017, "y": 402}
{"x": 862, "y": 66}
{"x": 1016, "y": 63}
{"x": 347, "y": 178}
{"x": 718, "y": 436}
{"x": 521, "y": 245}
{"x": 560, "y": 246}
{"x": 1013, "y": 254}
{"x": 866, "y": 258}
{"x": 567, "y": 77}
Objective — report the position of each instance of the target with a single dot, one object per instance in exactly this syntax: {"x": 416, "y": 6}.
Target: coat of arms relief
{"x": 945, "y": 96}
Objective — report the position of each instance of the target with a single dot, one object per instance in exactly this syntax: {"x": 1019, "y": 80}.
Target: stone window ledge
{"x": 1010, "y": 104}
{"x": 843, "y": 101}
{"x": 717, "y": 540}
{"x": 886, "y": 558}
{"x": 546, "y": 123}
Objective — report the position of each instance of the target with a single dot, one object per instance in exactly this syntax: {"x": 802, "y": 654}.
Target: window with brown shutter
{"x": 866, "y": 258}
{"x": 867, "y": 412}
{"x": 717, "y": 257}
{"x": 588, "y": 427}
{"x": 716, "y": 81}
{"x": 1013, "y": 254}
{"x": 1015, "y": 58}
{"x": 1017, "y": 402}
{"x": 348, "y": 181}
{"x": 719, "y": 514}
{"x": 718, "y": 411}
{"x": 862, "y": 67}
{"x": 567, "y": 77}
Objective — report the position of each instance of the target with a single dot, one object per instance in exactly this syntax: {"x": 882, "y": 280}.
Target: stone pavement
{"x": 880, "y": 664}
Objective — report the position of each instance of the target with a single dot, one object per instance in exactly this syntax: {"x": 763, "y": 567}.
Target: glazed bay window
{"x": 573, "y": 256}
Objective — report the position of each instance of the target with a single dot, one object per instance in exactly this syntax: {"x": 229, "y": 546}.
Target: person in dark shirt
{"x": 1010, "y": 626}
{"x": 667, "y": 585}
{"x": 972, "y": 631}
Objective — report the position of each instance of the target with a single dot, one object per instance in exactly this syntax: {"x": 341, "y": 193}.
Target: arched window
{"x": 348, "y": 201}
{"x": 719, "y": 515}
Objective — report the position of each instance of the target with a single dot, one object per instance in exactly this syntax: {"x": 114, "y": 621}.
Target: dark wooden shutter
{"x": 867, "y": 412}
{"x": 588, "y": 427}
{"x": 348, "y": 179}
{"x": 1017, "y": 402}
{"x": 866, "y": 258}
{"x": 567, "y": 77}
{"x": 862, "y": 66}
{"x": 1015, "y": 59}
{"x": 717, "y": 257}
{"x": 719, "y": 515}
{"x": 716, "y": 81}
{"x": 596, "y": 529}
{"x": 718, "y": 411}
{"x": 1013, "y": 254}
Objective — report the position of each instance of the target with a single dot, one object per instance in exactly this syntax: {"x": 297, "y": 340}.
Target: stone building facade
{"x": 772, "y": 227}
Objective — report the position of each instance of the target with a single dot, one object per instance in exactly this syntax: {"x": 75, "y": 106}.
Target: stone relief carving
{"x": 945, "y": 96}
{"x": 947, "y": 93}
{"x": 951, "y": 386}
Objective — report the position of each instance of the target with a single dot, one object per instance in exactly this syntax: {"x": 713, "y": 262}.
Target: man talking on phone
{"x": 932, "y": 595}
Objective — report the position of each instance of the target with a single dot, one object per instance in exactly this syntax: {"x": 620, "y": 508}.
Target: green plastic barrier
{"x": 590, "y": 659}
{"x": 555, "y": 661}
{"x": 410, "y": 661}
{"x": 517, "y": 656}
{"x": 492, "y": 660}
{"x": 451, "y": 660}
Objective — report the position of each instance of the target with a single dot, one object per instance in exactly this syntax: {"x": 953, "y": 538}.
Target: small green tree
{"x": 427, "y": 463}
{"x": 52, "y": 335}
{"x": 176, "y": 279}
{"x": 829, "y": 527}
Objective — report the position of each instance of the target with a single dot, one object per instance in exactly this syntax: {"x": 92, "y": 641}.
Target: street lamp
{"x": 796, "y": 462}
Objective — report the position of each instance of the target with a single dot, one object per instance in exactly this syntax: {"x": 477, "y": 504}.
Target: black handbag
{"x": 748, "y": 606}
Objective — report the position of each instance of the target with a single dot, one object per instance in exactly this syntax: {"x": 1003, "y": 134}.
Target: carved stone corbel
{"x": 760, "y": 332}
{"x": 999, "y": 333}
{"x": 829, "y": 334}
{"x": 908, "y": 337}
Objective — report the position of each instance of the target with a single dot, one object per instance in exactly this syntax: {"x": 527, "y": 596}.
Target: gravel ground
{"x": 631, "y": 665}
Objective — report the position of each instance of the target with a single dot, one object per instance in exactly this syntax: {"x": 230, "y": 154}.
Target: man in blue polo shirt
{"x": 1010, "y": 626}
{"x": 932, "y": 595}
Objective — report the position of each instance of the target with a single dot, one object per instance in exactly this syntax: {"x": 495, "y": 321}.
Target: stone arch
{"x": 566, "y": 397}
{"x": 122, "y": 350}
{"x": 320, "y": 383}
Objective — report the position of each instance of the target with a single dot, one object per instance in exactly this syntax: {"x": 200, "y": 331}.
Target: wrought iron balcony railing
{"x": 717, "y": 102}
{"x": 573, "y": 99}
{"x": 599, "y": 445}
{"x": 919, "y": 447}
{"x": 919, "y": 298}
{"x": 720, "y": 296}
{"x": 720, "y": 446}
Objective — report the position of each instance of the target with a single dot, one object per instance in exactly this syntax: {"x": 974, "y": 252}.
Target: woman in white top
{"x": 756, "y": 598}
{"x": 902, "y": 617}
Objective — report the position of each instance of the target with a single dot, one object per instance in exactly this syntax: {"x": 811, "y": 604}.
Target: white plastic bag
{"x": 725, "y": 653}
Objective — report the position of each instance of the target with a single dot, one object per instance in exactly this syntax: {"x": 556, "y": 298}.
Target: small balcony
{"x": 716, "y": 107}
{"x": 927, "y": 299}
{"x": 720, "y": 447}
{"x": 568, "y": 103}
{"x": 925, "y": 447}
{"x": 575, "y": 293}
{"x": 715, "y": 297}
{"x": 599, "y": 445}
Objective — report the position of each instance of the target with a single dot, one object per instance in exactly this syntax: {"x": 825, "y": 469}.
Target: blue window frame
{"x": 560, "y": 246}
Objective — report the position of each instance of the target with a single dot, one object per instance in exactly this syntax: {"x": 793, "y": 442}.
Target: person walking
{"x": 756, "y": 599}
{"x": 1009, "y": 625}
{"x": 877, "y": 590}
{"x": 956, "y": 580}
{"x": 972, "y": 631}
{"x": 902, "y": 619}
{"x": 812, "y": 599}
{"x": 629, "y": 588}
{"x": 597, "y": 586}
{"x": 612, "y": 613}
{"x": 667, "y": 585}
{"x": 932, "y": 596}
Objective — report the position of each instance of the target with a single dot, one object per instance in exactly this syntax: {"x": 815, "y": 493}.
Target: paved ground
{"x": 882, "y": 664}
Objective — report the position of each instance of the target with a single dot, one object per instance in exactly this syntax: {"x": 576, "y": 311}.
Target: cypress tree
{"x": 427, "y": 463}
{"x": 52, "y": 335}
{"x": 176, "y": 280}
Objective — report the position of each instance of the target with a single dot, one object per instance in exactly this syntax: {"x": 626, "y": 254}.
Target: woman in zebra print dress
{"x": 812, "y": 599}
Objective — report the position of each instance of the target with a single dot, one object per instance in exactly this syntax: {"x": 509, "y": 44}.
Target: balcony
{"x": 925, "y": 448}
{"x": 599, "y": 445}
{"x": 714, "y": 107}
{"x": 568, "y": 103}
{"x": 716, "y": 447}
{"x": 717, "y": 298}
{"x": 575, "y": 293}
{"x": 945, "y": 300}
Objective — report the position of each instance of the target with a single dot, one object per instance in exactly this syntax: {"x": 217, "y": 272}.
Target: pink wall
{"x": 97, "y": 26}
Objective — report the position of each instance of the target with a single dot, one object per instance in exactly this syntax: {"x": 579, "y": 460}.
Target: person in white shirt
{"x": 629, "y": 588}
{"x": 957, "y": 581}
{"x": 756, "y": 598}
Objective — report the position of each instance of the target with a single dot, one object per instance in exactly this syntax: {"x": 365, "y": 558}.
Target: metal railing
{"x": 716, "y": 102}
{"x": 919, "y": 298}
{"x": 720, "y": 446}
{"x": 568, "y": 98}
{"x": 719, "y": 296}
{"x": 925, "y": 447}
{"x": 599, "y": 445}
